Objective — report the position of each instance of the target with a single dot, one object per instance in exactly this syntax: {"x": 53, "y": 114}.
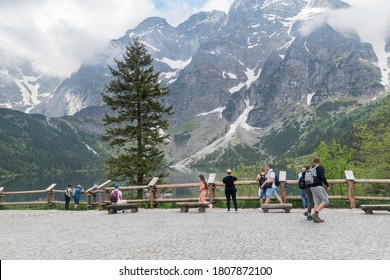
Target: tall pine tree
{"x": 136, "y": 127}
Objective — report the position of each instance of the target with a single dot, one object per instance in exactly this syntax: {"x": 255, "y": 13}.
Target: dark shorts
{"x": 76, "y": 200}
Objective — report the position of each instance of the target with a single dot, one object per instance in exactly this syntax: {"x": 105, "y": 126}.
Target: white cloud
{"x": 58, "y": 35}
{"x": 370, "y": 19}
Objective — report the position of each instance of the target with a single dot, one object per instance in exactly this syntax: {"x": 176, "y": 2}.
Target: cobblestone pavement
{"x": 167, "y": 234}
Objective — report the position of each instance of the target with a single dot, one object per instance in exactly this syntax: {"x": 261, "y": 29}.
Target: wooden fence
{"x": 99, "y": 195}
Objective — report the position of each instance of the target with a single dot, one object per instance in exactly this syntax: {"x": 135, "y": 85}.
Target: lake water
{"x": 90, "y": 179}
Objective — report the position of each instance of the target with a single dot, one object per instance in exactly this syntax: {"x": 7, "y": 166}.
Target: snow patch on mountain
{"x": 74, "y": 103}
{"x": 252, "y": 76}
{"x": 217, "y": 110}
{"x": 29, "y": 88}
{"x": 222, "y": 142}
{"x": 176, "y": 65}
{"x": 230, "y": 75}
{"x": 89, "y": 148}
{"x": 309, "y": 98}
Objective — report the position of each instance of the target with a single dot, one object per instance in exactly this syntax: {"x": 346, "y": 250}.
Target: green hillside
{"x": 28, "y": 144}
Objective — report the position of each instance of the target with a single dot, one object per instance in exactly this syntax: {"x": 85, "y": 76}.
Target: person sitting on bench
{"x": 116, "y": 197}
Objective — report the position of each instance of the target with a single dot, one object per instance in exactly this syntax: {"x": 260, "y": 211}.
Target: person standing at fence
{"x": 77, "y": 196}
{"x": 320, "y": 196}
{"x": 270, "y": 186}
{"x": 261, "y": 178}
{"x": 230, "y": 189}
{"x": 302, "y": 186}
{"x": 202, "y": 188}
{"x": 67, "y": 193}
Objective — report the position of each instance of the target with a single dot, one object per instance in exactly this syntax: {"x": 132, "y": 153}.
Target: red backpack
{"x": 114, "y": 197}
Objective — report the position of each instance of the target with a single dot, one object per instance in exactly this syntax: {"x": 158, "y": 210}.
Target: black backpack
{"x": 301, "y": 182}
{"x": 277, "y": 182}
{"x": 262, "y": 179}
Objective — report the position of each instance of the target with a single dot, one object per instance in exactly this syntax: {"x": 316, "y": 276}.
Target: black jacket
{"x": 229, "y": 183}
{"x": 321, "y": 177}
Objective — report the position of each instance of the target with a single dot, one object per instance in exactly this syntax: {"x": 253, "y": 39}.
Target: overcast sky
{"x": 58, "y": 35}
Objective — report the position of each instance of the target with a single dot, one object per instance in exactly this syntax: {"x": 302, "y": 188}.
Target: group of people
{"x": 75, "y": 193}
{"x": 311, "y": 181}
{"x": 313, "y": 193}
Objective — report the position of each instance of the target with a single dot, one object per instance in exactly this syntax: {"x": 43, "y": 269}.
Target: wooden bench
{"x": 285, "y": 206}
{"x": 184, "y": 206}
{"x": 112, "y": 209}
{"x": 369, "y": 208}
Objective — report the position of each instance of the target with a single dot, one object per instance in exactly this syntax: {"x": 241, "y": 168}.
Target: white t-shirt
{"x": 119, "y": 197}
{"x": 271, "y": 174}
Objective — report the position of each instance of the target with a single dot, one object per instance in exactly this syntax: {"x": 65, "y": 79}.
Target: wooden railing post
{"x": 152, "y": 192}
{"x": 101, "y": 192}
{"x": 1, "y": 195}
{"x": 211, "y": 187}
{"x": 283, "y": 185}
{"x": 91, "y": 196}
{"x": 351, "y": 188}
{"x": 50, "y": 195}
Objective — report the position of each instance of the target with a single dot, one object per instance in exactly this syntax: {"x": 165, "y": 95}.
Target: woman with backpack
{"x": 261, "y": 178}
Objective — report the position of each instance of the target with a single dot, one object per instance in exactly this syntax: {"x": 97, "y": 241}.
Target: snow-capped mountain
{"x": 233, "y": 78}
{"x": 23, "y": 89}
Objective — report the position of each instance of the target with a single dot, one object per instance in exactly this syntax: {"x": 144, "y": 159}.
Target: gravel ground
{"x": 167, "y": 234}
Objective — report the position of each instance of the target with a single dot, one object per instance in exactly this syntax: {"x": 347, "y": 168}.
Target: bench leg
{"x": 202, "y": 209}
{"x": 287, "y": 210}
{"x": 134, "y": 210}
{"x": 183, "y": 209}
{"x": 369, "y": 211}
{"x": 112, "y": 211}
{"x": 265, "y": 210}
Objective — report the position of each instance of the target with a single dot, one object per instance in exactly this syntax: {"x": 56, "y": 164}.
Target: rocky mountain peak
{"x": 330, "y": 4}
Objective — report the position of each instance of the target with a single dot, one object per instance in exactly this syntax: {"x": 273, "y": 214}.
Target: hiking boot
{"x": 310, "y": 218}
{"x": 317, "y": 219}
{"x": 306, "y": 214}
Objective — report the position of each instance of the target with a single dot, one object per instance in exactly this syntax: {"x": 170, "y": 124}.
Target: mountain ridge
{"x": 239, "y": 79}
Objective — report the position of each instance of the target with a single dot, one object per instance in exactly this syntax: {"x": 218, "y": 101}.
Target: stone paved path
{"x": 168, "y": 234}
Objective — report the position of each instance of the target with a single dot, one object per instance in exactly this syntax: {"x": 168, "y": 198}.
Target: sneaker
{"x": 236, "y": 211}
{"x": 210, "y": 206}
{"x": 310, "y": 218}
{"x": 228, "y": 210}
{"x": 306, "y": 214}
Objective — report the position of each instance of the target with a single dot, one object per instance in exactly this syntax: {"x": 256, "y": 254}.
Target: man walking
{"x": 320, "y": 196}
{"x": 270, "y": 186}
